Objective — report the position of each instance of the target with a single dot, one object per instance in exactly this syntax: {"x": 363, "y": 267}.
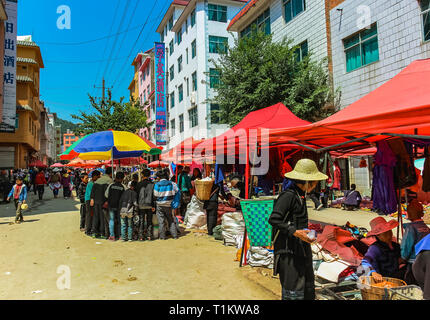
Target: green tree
{"x": 110, "y": 114}
{"x": 258, "y": 72}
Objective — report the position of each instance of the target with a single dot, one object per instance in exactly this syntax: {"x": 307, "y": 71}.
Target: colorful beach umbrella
{"x": 106, "y": 145}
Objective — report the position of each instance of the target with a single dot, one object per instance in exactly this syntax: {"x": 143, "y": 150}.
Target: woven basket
{"x": 371, "y": 292}
{"x": 203, "y": 189}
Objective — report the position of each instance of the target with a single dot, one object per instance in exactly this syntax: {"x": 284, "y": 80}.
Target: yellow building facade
{"x": 25, "y": 142}
{"x": 134, "y": 85}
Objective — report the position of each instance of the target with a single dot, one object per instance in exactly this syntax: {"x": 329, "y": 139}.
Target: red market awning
{"x": 251, "y": 127}
{"x": 401, "y": 106}
{"x": 182, "y": 152}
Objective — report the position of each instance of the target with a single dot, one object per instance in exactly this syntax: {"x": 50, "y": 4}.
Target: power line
{"x": 81, "y": 62}
{"x": 129, "y": 23}
{"x": 107, "y": 42}
{"x": 140, "y": 33}
{"x": 116, "y": 38}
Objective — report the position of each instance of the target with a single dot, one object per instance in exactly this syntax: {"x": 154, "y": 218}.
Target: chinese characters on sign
{"x": 8, "y": 113}
{"x": 160, "y": 95}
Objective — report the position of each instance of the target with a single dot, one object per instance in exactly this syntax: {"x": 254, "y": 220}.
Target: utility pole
{"x": 103, "y": 87}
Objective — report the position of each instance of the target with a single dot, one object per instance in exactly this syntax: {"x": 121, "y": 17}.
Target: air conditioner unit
{"x": 193, "y": 98}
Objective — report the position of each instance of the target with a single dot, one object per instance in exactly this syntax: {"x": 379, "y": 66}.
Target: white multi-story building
{"x": 301, "y": 21}
{"x": 194, "y": 32}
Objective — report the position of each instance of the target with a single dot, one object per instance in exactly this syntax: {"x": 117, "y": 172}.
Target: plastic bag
{"x": 195, "y": 217}
{"x": 232, "y": 225}
{"x": 260, "y": 257}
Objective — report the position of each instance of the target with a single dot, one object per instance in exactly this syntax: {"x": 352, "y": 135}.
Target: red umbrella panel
{"x": 158, "y": 163}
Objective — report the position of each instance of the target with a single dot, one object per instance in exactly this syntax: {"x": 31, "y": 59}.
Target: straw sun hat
{"x": 306, "y": 170}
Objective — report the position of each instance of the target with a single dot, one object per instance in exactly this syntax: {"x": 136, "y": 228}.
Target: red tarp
{"x": 182, "y": 152}
{"x": 399, "y": 106}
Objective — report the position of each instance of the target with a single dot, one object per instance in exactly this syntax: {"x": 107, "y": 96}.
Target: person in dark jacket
{"x": 81, "y": 195}
{"x": 289, "y": 219}
{"x": 146, "y": 201}
{"x": 113, "y": 195}
{"x": 211, "y": 205}
{"x": 352, "y": 199}
{"x": 421, "y": 266}
{"x": 128, "y": 208}
{"x": 101, "y": 214}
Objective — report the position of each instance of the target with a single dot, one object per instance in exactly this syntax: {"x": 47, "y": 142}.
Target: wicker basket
{"x": 203, "y": 189}
{"x": 410, "y": 292}
{"x": 371, "y": 292}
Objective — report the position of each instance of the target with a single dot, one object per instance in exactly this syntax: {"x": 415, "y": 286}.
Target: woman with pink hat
{"x": 382, "y": 259}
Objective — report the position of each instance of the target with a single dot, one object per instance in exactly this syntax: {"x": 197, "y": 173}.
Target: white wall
{"x": 399, "y": 40}
{"x": 309, "y": 25}
{"x": 199, "y": 32}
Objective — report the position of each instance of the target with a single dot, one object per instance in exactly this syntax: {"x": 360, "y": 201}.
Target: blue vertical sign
{"x": 160, "y": 95}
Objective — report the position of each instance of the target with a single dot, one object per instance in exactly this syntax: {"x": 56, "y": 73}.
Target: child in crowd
{"x": 113, "y": 195}
{"x": 81, "y": 195}
{"x": 128, "y": 206}
{"x": 19, "y": 194}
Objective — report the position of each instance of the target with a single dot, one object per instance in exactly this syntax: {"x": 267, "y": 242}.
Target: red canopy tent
{"x": 182, "y": 152}
{"x": 38, "y": 164}
{"x": 237, "y": 139}
{"x": 400, "y": 107}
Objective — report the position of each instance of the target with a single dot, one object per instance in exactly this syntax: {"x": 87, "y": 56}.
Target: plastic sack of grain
{"x": 195, "y": 216}
{"x": 260, "y": 257}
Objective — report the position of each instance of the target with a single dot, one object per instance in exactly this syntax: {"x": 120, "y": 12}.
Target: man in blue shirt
{"x": 164, "y": 192}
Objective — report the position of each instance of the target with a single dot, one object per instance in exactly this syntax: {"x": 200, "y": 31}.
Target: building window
{"x": 171, "y": 23}
{"x": 179, "y": 36}
{"x": 261, "y": 23}
{"x": 186, "y": 25}
{"x": 162, "y": 36}
{"x": 302, "y": 51}
{"x": 173, "y": 126}
{"x": 171, "y": 48}
{"x": 186, "y": 53}
{"x": 193, "y": 18}
{"x": 214, "y": 115}
{"x": 17, "y": 121}
{"x": 293, "y": 8}
{"x": 218, "y": 44}
{"x": 425, "y": 13}
{"x": 165, "y": 31}
{"x": 172, "y": 100}
{"x": 194, "y": 81}
{"x": 217, "y": 13}
{"x": 181, "y": 93}
{"x": 361, "y": 49}
{"x": 193, "y": 117}
{"x": 214, "y": 78}
{"x": 144, "y": 96}
{"x": 172, "y": 72}
{"x": 193, "y": 49}
{"x": 148, "y": 88}
{"x": 188, "y": 87}
{"x": 180, "y": 64}
{"x": 181, "y": 123}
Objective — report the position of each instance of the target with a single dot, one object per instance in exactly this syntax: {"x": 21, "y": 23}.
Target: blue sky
{"x": 71, "y": 71}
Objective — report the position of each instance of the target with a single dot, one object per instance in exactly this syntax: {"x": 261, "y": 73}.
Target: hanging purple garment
{"x": 383, "y": 191}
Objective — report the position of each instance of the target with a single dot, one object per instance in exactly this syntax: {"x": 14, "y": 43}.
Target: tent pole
{"x": 246, "y": 197}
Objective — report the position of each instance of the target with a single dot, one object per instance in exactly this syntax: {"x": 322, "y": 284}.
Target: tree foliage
{"x": 110, "y": 114}
{"x": 257, "y": 73}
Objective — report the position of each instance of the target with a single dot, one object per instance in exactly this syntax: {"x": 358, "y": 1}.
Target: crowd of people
{"x": 121, "y": 207}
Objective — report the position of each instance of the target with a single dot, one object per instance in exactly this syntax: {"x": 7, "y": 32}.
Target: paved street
{"x": 193, "y": 267}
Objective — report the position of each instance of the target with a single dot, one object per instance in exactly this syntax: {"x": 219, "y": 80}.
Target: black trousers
{"x": 185, "y": 200}
{"x": 89, "y": 212}
{"x": 145, "y": 224}
{"x": 212, "y": 216}
{"x": 40, "y": 190}
{"x": 98, "y": 226}
{"x": 297, "y": 276}
{"x": 83, "y": 215}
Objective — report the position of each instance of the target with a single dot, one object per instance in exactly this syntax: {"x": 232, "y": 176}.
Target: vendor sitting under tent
{"x": 382, "y": 259}
{"x": 352, "y": 199}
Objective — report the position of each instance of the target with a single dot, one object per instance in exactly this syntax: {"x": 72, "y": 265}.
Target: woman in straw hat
{"x": 289, "y": 219}
{"x": 382, "y": 259}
